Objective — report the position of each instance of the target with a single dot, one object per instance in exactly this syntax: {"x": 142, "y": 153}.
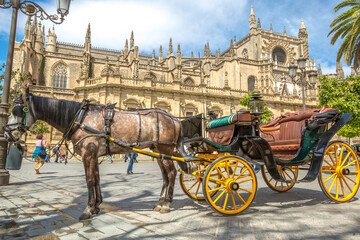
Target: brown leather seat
{"x": 284, "y": 132}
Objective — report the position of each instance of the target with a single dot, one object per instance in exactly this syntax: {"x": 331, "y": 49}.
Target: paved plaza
{"x": 47, "y": 206}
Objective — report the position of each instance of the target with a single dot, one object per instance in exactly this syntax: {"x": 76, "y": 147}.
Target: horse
{"x": 147, "y": 128}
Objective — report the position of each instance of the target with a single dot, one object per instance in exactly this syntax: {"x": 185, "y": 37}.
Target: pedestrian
{"x": 56, "y": 152}
{"x": 131, "y": 162}
{"x": 47, "y": 158}
{"x": 39, "y": 152}
{"x": 126, "y": 157}
{"x": 110, "y": 158}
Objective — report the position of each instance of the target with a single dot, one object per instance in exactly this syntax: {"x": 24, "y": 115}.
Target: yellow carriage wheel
{"x": 289, "y": 173}
{"x": 191, "y": 183}
{"x": 234, "y": 181}
{"x": 339, "y": 176}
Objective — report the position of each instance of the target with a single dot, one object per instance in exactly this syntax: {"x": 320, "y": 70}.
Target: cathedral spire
{"x": 170, "y": 52}
{"x": 126, "y": 48}
{"x": 339, "y": 70}
{"x": 285, "y": 30}
{"x": 28, "y": 28}
{"x": 132, "y": 40}
{"x": 319, "y": 71}
{"x": 252, "y": 20}
{"x": 302, "y": 31}
{"x": 88, "y": 39}
{"x": 271, "y": 30}
{"x": 259, "y": 24}
{"x": 160, "y": 54}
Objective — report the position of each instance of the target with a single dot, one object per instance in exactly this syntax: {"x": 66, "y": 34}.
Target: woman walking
{"x": 38, "y": 155}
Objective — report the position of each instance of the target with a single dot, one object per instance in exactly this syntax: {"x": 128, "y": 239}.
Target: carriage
{"x": 282, "y": 148}
{"x": 222, "y": 165}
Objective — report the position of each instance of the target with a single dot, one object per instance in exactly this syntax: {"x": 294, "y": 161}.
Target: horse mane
{"x": 57, "y": 112}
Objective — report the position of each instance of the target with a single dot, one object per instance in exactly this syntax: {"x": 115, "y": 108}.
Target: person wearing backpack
{"x": 39, "y": 152}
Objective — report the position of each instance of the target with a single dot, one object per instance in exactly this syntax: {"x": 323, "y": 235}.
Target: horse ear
{"x": 25, "y": 94}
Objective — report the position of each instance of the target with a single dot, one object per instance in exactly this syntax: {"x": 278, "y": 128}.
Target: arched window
{"x": 251, "y": 83}
{"x": 279, "y": 54}
{"x": 60, "y": 76}
{"x": 189, "y": 84}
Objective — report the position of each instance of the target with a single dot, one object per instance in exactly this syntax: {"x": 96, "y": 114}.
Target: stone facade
{"x": 180, "y": 85}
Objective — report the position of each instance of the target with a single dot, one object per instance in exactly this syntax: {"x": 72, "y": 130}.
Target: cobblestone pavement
{"x": 47, "y": 206}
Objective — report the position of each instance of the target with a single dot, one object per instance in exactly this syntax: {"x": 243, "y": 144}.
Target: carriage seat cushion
{"x": 284, "y": 133}
{"x": 233, "y": 118}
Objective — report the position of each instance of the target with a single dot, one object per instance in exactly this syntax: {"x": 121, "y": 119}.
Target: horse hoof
{"x": 84, "y": 216}
{"x": 165, "y": 210}
{"x": 157, "y": 208}
{"x": 95, "y": 211}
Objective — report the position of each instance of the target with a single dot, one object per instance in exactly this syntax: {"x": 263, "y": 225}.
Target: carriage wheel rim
{"x": 339, "y": 176}
{"x": 280, "y": 186}
{"x": 230, "y": 199}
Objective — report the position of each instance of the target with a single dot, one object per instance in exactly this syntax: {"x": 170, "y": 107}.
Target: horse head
{"x": 22, "y": 117}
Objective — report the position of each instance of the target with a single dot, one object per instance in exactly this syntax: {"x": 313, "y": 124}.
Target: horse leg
{"x": 171, "y": 175}
{"x": 158, "y": 205}
{"x": 89, "y": 157}
{"x": 97, "y": 189}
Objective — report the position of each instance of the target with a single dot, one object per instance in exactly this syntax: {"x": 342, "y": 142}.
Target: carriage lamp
{"x": 63, "y": 7}
{"x": 292, "y": 70}
{"x": 256, "y": 104}
{"x": 313, "y": 77}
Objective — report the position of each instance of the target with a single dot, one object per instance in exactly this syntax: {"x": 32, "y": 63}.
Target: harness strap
{"x": 75, "y": 123}
{"x": 139, "y": 135}
{"x": 109, "y": 118}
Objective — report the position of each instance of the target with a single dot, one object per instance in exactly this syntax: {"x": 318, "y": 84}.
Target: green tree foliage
{"x": 347, "y": 26}
{"x": 344, "y": 95}
{"x": 266, "y": 117}
{"x": 15, "y": 91}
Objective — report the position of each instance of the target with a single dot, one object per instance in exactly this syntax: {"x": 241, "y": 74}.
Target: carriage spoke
{"x": 220, "y": 196}
{"x": 246, "y": 180}
{"x": 337, "y": 187}
{"x": 342, "y": 187}
{"x": 233, "y": 200}
{"x": 226, "y": 198}
{"x": 227, "y": 169}
{"x": 332, "y": 160}
{"x": 216, "y": 189}
{"x": 328, "y": 163}
{"x": 188, "y": 180}
{"x": 245, "y": 190}
{"x": 329, "y": 177}
{"x": 344, "y": 161}
{"x": 241, "y": 174}
{"x": 216, "y": 180}
{"x": 332, "y": 184}
{"x": 240, "y": 197}
{"x": 197, "y": 190}
{"x": 236, "y": 165}
{"x": 349, "y": 164}
{"x": 218, "y": 170}
{"x": 347, "y": 185}
{"x": 193, "y": 185}
{"x": 350, "y": 179}
{"x": 341, "y": 153}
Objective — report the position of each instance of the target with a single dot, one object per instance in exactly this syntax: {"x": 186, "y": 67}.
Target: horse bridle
{"x": 20, "y": 109}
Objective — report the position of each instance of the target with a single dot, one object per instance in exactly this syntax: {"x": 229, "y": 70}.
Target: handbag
{"x": 41, "y": 152}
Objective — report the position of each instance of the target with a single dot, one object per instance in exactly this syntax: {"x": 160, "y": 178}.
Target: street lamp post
{"x": 31, "y": 9}
{"x": 301, "y": 81}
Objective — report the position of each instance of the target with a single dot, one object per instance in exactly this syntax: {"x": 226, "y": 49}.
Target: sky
{"x": 188, "y": 22}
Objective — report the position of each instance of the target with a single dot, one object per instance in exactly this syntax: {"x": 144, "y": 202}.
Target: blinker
{"x": 18, "y": 111}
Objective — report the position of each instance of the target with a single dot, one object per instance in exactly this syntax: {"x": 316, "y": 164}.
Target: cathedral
{"x": 180, "y": 85}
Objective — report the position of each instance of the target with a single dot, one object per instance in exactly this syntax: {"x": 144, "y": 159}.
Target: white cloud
{"x": 191, "y": 23}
